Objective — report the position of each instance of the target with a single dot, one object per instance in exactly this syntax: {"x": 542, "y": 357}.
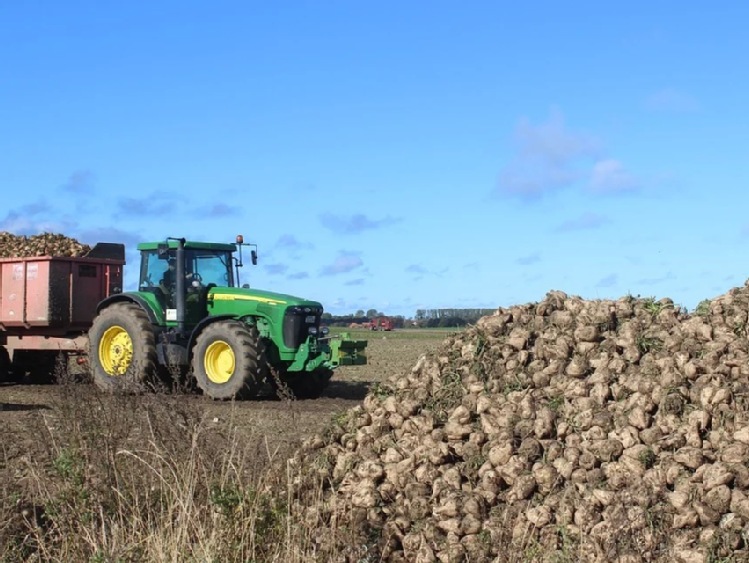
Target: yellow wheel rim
{"x": 219, "y": 362}
{"x": 115, "y": 350}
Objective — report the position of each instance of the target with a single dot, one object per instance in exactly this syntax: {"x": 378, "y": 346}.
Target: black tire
{"x": 308, "y": 385}
{"x": 4, "y": 365}
{"x": 228, "y": 360}
{"x": 122, "y": 348}
{"x": 35, "y": 367}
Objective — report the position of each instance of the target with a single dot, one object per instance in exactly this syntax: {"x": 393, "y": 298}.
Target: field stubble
{"x": 169, "y": 477}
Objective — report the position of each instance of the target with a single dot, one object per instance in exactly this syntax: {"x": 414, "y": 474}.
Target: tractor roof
{"x": 188, "y": 244}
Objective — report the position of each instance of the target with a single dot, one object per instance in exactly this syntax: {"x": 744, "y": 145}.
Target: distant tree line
{"x": 424, "y": 318}
{"x": 432, "y": 318}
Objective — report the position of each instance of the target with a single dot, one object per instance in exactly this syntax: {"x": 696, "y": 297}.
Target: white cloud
{"x": 548, "y": 157}
{"x": 608, "y": 281}
{"x": 276, "y": 269}
{"x": 416, "y": 269}
{"x": 552, "y": 142}
{"x": 528, "y": 260}
{"x": 610, "y": 176}
{"x": 344, "y": 262}
{"x": 80, "y": 182}
{"x": 583, "y": 222}
{"x": 354, "y": 224}
{"x": 290, "y": 241}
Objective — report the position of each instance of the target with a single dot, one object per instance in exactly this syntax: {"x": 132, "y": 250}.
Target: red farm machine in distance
{"x": 381, "y": 323}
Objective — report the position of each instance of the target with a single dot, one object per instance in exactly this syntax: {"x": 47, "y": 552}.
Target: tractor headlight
{"x": 313, "y": 330}
{"x": 324, "y": 330}
{"x": 300, "y": 310}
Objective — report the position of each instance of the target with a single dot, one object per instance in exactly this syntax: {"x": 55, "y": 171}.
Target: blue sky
{"x": 392, "y": 155}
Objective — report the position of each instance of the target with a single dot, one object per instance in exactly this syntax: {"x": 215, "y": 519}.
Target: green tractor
{"x": 190, "y": 315}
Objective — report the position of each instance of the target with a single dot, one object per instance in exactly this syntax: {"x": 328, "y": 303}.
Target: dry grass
{"x": 147, "y": 478}
{"x": 167, "y": 476}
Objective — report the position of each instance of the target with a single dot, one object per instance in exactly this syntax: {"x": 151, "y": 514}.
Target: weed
{"x": 485, "y": 537}
{"x": 532, "y": 552}
{"x": 446, "y": 397}
{"x": 324, "y": 462}
{"x": 647, "y": 457}
{"x": 478, "y": 369}
{"x": 68, "y": 466}
{"x": 719, "y": 551}
{"x": 342, "y": 418}
{"x": 481, "y": 342}
{"x": 703, "y": 308}
{"x": 381, "y": 390}
{"x": 515, "y": 383}
{"x": 652, "y": 306}
{"x": 227, "y": 498}
{"x": 100, "y": 557}
{"x": 565, "y": 553}
{"x": 474, "y": 463}
{"x": 555, "y": 403}
{"x": 282, "y": 389}
{"x": 647, "y": 344}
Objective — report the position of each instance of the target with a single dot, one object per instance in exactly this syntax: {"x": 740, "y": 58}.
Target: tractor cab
{"x": 178, "y": 271}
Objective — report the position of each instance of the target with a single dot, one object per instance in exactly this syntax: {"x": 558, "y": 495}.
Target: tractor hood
{"x": 291, "y": 319}
{"x": 270, "y": 299}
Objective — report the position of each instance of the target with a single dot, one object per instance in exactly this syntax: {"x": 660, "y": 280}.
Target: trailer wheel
{"x": 36, "y": 367}
{"x": 4, "y": 365}
{"x": 229, "y": 361}
{"x": 122, "y": 348}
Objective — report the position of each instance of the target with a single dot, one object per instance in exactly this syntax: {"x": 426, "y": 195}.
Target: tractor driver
{"x": 167, "y": 284}
{"x": 167, "y": 281}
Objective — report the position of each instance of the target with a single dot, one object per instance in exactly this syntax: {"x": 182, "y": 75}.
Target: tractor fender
{"x": 128, "y": 298}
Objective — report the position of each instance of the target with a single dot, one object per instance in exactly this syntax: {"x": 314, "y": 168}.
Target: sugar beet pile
{"x": 45, "y": 244}
{"x": 563, "y": 430}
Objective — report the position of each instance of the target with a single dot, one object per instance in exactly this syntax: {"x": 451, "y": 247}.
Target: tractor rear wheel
{"x": 122, "y": 348}
{"x": 228, "y": 360}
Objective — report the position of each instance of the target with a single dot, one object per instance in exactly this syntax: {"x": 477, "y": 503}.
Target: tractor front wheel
{"x": 228, "y": 360}
{"x": 122, "y": 348}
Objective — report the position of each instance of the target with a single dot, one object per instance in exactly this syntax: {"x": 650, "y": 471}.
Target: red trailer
{"x": 381, "y": 323}
{"x": 47, "y": 304}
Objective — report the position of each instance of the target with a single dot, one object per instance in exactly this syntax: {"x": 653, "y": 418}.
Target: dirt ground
{"x": 279, "y": 426}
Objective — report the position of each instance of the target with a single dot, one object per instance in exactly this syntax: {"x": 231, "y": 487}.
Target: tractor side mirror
{"x": 253, "y": 255}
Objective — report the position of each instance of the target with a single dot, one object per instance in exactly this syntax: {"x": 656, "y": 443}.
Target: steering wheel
{"x": 195, "y": 281}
